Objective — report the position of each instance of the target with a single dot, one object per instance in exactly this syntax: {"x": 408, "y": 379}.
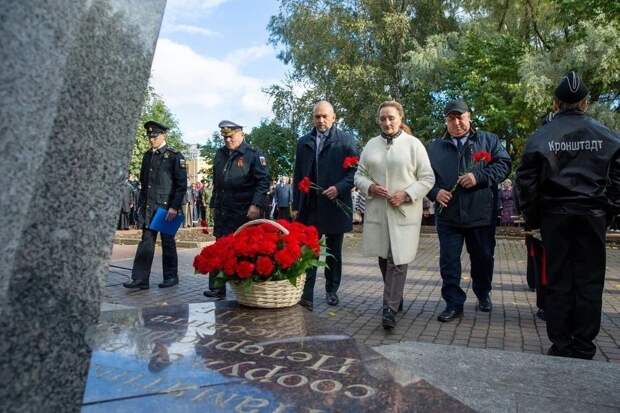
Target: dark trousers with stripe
{"x": 575, "y": 247}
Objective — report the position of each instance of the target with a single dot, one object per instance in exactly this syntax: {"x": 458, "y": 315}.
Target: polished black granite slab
{"x": 219, "y": 357}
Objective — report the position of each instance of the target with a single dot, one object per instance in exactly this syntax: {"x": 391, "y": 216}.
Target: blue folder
{"x": 159, "y": 223}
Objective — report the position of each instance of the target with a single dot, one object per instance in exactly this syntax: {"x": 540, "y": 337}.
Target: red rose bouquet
{"x": 478, "y": 158}
{"x": 261, "y": 251}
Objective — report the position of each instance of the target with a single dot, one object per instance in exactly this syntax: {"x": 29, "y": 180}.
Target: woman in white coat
{"x": 398, "y": 164}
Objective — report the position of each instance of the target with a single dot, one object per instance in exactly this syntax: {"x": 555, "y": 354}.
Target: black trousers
{"x": 575, "y": 246}
{"x": 333, "y": 271}
{"x": 123, "y": 220}
{"x": 283, "y": 213}
{"x": 480, "y": 244}
{"x": 146, "y": 250}
{"x": 537, "y": 269}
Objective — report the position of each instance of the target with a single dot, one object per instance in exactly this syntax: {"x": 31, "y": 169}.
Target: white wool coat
{"x": 402, "y": 166}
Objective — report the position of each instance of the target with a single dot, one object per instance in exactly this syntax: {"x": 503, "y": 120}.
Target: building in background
{"x": 196, "y": 164}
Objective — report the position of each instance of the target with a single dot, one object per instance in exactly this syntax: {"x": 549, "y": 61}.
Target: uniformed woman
{"x": 240, "y": 184}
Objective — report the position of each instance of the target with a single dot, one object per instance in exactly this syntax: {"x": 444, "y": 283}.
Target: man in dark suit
{"x": 319, "y": 156}
{"x": 163, "y": 178}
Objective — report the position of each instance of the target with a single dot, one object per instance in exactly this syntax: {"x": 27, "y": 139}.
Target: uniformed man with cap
{"x": 163, "y": 180}
{"x": 240, "y": 184}
{"x": 568, "y": 185}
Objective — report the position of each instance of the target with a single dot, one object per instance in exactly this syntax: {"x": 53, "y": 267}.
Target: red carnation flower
{"x": 284, "y": 259}
{"x": 304, "y": 185}
{"x": 483, "y": 156}
{"x": 264, "y": 267}
{"x": 350, "y": 161}
{"x": 245, "y": 269}
{"x": 230, "y": 267}
{"x": 292, "y": 247}
{"x": 201, "y": 264}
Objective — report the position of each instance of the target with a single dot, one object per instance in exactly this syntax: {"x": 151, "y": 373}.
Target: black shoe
{"x": 170, "y": 282}
{"x": 219, "y": 294}
{"x": 400, "y": 306}
{"x": 541, "y": 314}
{"x": 554, "y": 351}
{"x": 143, "y": 285}
{"x": 485, "y": 305}
{"x": 332, "y": 299}
{"x": 389, "y": 321}
{"x": 449, "y": 315}
{"x": 307, "y": 304}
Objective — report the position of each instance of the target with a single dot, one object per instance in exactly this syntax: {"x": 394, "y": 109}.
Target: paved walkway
{"x": 511, "y": 326}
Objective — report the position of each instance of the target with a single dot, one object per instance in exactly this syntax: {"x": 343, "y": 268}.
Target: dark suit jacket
{"x": 316, "y": 209}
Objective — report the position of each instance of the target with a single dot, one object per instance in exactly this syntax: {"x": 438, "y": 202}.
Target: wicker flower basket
{"x": 269, "y": 294}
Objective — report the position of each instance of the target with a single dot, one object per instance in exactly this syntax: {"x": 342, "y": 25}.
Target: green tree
{"x": 504, "y": 57}
{"x": 350, "y": 52}
{"x": 277, "y": 144}
{"x": 154, "y": 109}
{"x": 208, "y": 150}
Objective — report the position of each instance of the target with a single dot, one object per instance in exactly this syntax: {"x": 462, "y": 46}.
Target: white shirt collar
{"x": 159, "y": 147}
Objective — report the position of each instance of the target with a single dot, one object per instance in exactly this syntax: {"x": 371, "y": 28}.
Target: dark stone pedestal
{"x": 73, "y": 75}
{"x": 218, "y": 357}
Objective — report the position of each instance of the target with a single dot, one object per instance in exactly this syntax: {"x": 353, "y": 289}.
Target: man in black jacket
{"x": 465, "y": 211}
{"x": 163, "y": 176}
{"x": 240, "y": 184}
{"x": 569, "y": 187}
{"x": 319, "y": 156}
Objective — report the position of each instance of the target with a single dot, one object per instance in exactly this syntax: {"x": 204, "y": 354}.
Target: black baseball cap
{"x": 455, "y": 106}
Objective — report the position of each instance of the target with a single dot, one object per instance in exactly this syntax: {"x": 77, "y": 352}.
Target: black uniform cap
{"x": 571, "y": 88}
{"x": 456, "y": 106}
{"x": 155, "y": 128}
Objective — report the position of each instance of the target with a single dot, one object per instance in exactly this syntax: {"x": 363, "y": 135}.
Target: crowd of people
{"x": 194, "y": 207}
{"x": 567, "y": 187}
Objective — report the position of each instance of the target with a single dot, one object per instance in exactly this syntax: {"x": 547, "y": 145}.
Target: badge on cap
{"x": 262, "y": 160}
{"x": 182, "y": 163}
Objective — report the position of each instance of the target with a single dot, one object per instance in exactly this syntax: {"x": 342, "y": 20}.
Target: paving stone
{"x": 512, "y": 324}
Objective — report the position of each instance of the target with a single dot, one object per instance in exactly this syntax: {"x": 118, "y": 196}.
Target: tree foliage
{"x": 277, "y": 143}
{"x": 350, "y": 52}
{"x": 208, "y": 150}
{"x": 154, "y": 109}
{"x": 504, "y": 57}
